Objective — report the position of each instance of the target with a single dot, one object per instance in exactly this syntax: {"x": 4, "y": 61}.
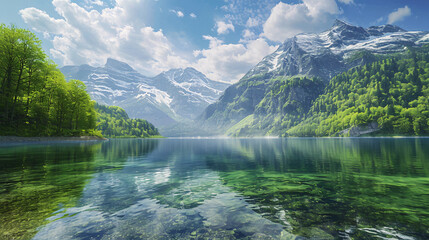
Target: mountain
{"x": 334, "y": 51}
{"x": 386, "y": 97}
{"x": 174, "y": 96}
{"x": 190, "y": 91}
{"x": 318, "y": 57}
{"x": 284, "y": 105}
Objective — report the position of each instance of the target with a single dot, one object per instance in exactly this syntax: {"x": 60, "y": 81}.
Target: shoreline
{"x": 16, "y": 139}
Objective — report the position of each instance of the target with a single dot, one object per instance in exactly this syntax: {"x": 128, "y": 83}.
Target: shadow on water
{"x": 37, "y": 180}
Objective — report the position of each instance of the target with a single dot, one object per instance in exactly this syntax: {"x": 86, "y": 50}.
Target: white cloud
{"x": 252, "y": 22}
{"x": 346, "y": 1}
{"x": 81, "y": 36}
{"x": 287, "y": 20}
{"x": 95, "y": 2}
{"x": 379, "y": 20}
{"x": 224, "y": 28}
{"x": 193, "y": 15}
{"x": 178, "y": 13}
{"x": 42, "y": 22}
{"x": 399, "y": 15}
{"x": 247, "y": 34}
{"x": 89, "y": 4}
{"x": 229, "y": 62}
{"x": 213, "y": 42}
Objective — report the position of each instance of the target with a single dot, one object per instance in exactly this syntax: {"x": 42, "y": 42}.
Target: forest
{"x": 387, "y": 96}
{"x": 36, "y": 99}
{"x": 114, "y": 122}
{"x": 393, "y": 93}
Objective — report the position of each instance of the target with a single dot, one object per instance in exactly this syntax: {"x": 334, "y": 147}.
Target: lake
{"x": 293, "y": 188}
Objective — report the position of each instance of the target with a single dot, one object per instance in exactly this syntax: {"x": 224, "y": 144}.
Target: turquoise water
{"x": 297, "y": 188}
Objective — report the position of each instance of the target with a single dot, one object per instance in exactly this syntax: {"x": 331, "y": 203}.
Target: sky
{"x": 221, "y": 38}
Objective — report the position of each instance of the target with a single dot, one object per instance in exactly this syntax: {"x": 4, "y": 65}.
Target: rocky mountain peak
{"x": 344, "y": 31}
{"x": 182, "y": 70}
{"x": 173, "y": 96}
{"x": 383, "y": 29}
{"x": 340, "y": 23}
{"x": 118, "y": 65}
{"x": 184, "y": 75}
{"x": 192, "y": 70}
{"x": 326, "y": 54}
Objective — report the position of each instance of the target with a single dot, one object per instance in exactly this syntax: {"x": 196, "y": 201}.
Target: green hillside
{"x": 114, "y": 122}
{"x": 385, "y": 97}
{"x": 284, "y": 105}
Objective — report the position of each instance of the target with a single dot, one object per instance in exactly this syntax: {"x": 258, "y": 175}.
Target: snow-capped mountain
{"x": 170, "y": 97}
{"x": 328, "y": 53}
{"x": 108, "y": 84}
{"x": 323, "y": 55}
{"x": 190, "y": 91}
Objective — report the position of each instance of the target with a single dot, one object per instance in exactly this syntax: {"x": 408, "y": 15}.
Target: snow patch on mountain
{"x": 152, "y": 93}
{"x": 275, "y": 62}
{"x": 174, "y": 95}
{"x": 324, "y": 54}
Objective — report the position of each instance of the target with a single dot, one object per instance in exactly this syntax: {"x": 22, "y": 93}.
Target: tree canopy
{"x": 35, "y": 98}
{"x": 114, "y": 122}
{"x": 394, "y": 93}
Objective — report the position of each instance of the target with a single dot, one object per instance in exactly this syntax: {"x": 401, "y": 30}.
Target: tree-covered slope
{"x": 114, "y": 122}
{"x": 323, "y": 56}
{"x": 387, "y": 97}
{"x": 35, "y": 99}
{"x": 284, "y": 105}
{"x": 237, "y": 102}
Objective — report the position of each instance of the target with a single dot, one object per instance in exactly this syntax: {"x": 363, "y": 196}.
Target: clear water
{"x": 294, "y": 188}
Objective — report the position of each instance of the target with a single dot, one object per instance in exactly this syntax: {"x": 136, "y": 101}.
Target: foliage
{"x": 35, "y": 98}
{"x": 392, "y": 93}
{"x": 284, "y": 105}
{"x": 114, "y": 122}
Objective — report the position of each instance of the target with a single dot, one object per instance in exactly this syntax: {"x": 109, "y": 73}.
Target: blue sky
{"x": 221, "y": 38}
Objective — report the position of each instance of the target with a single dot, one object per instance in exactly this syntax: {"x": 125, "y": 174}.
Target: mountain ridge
{"x": 170, "y": 97}
{"x": 316, "y": 55}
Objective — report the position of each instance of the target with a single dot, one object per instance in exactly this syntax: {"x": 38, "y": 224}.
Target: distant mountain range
{"x": 178, "y": 95}
{"x": 275, "y": 87}
{"x": 274, "y": 96}
{"x": 329, "y": 53}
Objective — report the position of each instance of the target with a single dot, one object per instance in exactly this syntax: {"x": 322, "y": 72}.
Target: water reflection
{"x": 168, "y": 194}
{"x": 37, "y": 180}
{"x": 233, "y": 189}
{"x": 335, "y": 188}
